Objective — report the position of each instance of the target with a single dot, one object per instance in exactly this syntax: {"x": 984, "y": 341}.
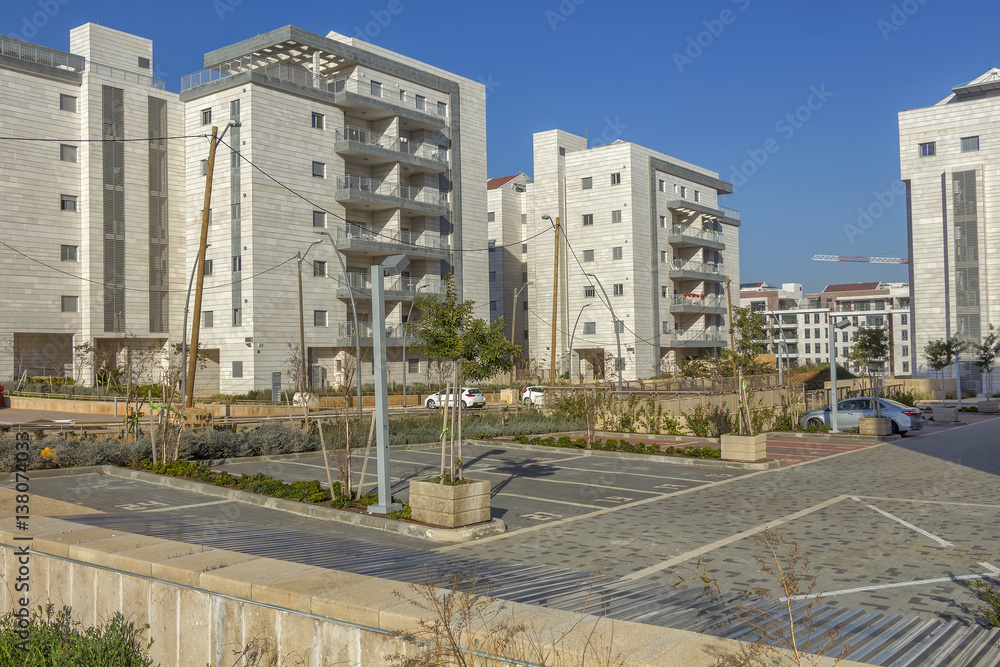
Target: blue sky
{"x": 711, "y": 82}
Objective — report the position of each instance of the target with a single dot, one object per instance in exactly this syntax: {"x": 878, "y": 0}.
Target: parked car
{"x": 471, "y": 398}
{"x": 532, "y": 395}
{"x": 850, "y": 411}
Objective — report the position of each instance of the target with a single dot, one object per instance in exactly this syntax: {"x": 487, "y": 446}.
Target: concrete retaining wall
{"x": 204, "y": 604}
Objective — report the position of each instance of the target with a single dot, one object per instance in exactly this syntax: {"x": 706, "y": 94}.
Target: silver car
{"x": 850, "y": 411}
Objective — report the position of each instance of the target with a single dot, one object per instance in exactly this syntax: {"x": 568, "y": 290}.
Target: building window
{"x": 442, "y": 108}
{"x": 588, "y": 291}
{"x": 808, "y": 348}
{"x": 906, "y": 366}
{"x": 70, "y": 304}
{"x": 663, "y": 221}
{"x": 616, "y": 178}
{"x": 616, "y": 252}
{"x": 208, "y": 319}
{"x": 492, "y": 246}
{"x": 524, "y": 248}
{"x": 589, "y": 328}
{"x": 67, "y": 102}
{"x": 675, "y": 188}
{"x": 319, "y": 218}
{"x": 662, "y": 185}
{"x": 237, "y": 264}
{"x": 237, "y": 369}
{"x": 376, "y": 89}
{"x": 843, "y": 337}
{"x": 562, "y": 151}
{"x": 665, "y": 326}
{"x": 234, "y": 211}
{"x": 491, "y": 216}
{"x": 143, "y": 63}
{"x": 524, "y": 305}
{"x": 319, "y": 269}
{"x": 684, "y": 192}
{"x": 204, "y": 167}
{"x": 206, "y": 116}
{"x": 68, "y": 253}
{"x": 826, "y": 348}
{"x": 663, "y": 256}
{"x": 421, "y": 102}
{"x": 928, "y": 150}
{"x": 208, "y": 267}
{"x": 904, "y": 334}
{"x": 588, "y": 219}
{"x": 815, "y": 333}
{"x": 67, "y": 203}
{"x": 697, "y": 196}
{"x": 413, "y": 365}
{"x": 619, "y": 326}
{"x": 906, "y": 350}
{"x": 816, "y": 319}
{"x": 619, "y": 289}
{"x": 616, "y": 217}
{"x": 902, "y": 319}
{"x": 524, "y": 218}
{"x": 493, "y": 305}
{"x": 319, "y": 170}
{"x": 493, "y": 276}
{"x": 67, "y": 153}
{"x": 586, "y": 183}
{"x": 664, "y": 291}
{"x": 234, "y": 108}
{"x": 588, "y": 255}
{"x": 319, "y": 318}
{"x": 237, "y": 317}
{"x": 317, "y": 121}
{"x": 807, "y": 333}
{"x": 970, "y": 144}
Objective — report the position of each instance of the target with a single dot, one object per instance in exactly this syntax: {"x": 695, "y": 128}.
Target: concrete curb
{"x": 832, "y": 437}
{"x": 629, "y": 456}
{"x": 420, "y": 531}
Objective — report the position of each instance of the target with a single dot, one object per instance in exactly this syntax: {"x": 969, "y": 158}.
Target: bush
{"x": 909, "y": 398}
{"x": 710, "y": 422}
{"x": 54, "y": 638}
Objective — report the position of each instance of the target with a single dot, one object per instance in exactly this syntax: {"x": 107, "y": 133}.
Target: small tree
{"x": 871, "y": 346}
{"x": 748, "y": 329}
{"x": 986, "y": 354}
{"x": 940, "y": 354}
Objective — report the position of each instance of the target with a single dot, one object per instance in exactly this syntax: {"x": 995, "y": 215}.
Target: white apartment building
{"x": 803, "y": 322}
{"x": 506, "y": 220}
{"x": 646, "y": 229}
{"x": 328, "y": 134}
{"x": 949, "y": 155}
{"x": 93, "y": 215}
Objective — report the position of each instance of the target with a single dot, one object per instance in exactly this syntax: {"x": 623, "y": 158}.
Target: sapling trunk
{"x": 444, "y": 429}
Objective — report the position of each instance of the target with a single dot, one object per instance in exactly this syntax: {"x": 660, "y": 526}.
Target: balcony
{"x": 398, "y": 289}
{"x": 374, "y": 149}
{"x": 711, "y": 337}
{"x": 697, "y": 305}
{"x": 694, "y": 270}
{"x": 695, "y": 236}
{"x": 347, "y": 334}
{"x": 421, "y": 245}
{"x": 368, "y": 193}
{"x": 691, "y": 208}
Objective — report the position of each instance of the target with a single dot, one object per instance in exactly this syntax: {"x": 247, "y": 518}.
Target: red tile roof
{"x": 495, "y": 183}
{"x": 851, "y": 287}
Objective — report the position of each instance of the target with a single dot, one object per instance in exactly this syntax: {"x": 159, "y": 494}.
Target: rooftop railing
{"x": 39, "y": 54}
{"x": 125, "y": 75}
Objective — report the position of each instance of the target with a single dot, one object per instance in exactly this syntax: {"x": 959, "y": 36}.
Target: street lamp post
{"x": 571, "y": 337}
{"x": 555, "y": 303}
{"x": 618, "y": 339}
{"x": 842, "y": 324}
{"x": 354, "y": 310}
{"x": 184, "y": 338}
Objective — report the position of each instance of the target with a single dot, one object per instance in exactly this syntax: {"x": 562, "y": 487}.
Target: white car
{"x": 471, "y": 398}
{"x": 532, "y": 395}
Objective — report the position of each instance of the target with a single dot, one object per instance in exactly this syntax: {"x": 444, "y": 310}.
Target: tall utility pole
{"x": 555, "y": 304}
{"x": 196, "y": 323}
{"x": 304, "y": 378}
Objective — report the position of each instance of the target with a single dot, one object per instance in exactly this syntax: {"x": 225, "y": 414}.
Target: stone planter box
{"x": 450, "y": 506}
{"x": 942, "y": 414}
{"x": 875, "y": 426}
{"x": 747, "y": 448}
{"x": 989, "y": 407}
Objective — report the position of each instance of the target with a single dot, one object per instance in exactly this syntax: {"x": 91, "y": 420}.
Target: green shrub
{"x": 707, "y": 422}
{"x": 909, "y": 398}
{"x": 54, "y": 638}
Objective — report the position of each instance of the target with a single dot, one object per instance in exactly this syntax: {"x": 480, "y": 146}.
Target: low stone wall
{"x": 203, "y": 604}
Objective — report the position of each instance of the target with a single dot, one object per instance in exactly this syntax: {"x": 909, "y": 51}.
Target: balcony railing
{"x": 347, "y": 330}
{"x": 700, "y": 301}
{"x": 711, "y": 335}
{"x": 41, "y": 55}
{"x": 414, "y": 287}
{"x": 399, "y": 237}
{"x": 125, "y": 75}
{"x": 363, "y": 184}
{"x": 730, "y": 212}
{"x": 370, "y": 138}
{"x": 696, "y": 232}
{"x": 700, "y": 267}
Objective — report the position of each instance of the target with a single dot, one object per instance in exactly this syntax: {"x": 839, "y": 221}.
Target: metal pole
{"x": 618, "y": 339}
{"x": 408, "y": 313}
{"x": 385, "y": 504}
{"x": 833, "y": 377}
{"x": 302, "y": 335}
{"x": 555, "y": 304}
{"x": 571, "y": 337}
{"x": 200, "y": 266}
{"x": 354, "y": 310}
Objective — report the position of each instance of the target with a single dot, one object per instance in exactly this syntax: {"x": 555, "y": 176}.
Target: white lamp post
{"x": 842, "y": 324}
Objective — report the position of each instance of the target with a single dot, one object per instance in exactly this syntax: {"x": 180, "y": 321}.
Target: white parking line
{"x": 489, "y": 471}
{"x": 902, "y": 584}
{"x": 543, "y": 501}
{"x": 185, "y": 507}
{"x": 944, "y": 543}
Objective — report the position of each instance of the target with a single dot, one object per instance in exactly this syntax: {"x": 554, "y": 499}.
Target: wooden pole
{"x": 196, "y": 316}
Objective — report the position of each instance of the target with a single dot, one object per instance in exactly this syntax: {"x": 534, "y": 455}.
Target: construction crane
{"x": 861, "y": 258}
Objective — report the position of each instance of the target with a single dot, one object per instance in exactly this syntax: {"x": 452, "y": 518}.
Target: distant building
{"x": 803, "y": 322}
{"x": 506, "y": 220}
{"x": 949, "y": 157}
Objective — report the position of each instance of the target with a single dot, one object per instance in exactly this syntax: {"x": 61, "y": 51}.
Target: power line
{"x": 345, "y": 220}
{"x": 77, "y": 140}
